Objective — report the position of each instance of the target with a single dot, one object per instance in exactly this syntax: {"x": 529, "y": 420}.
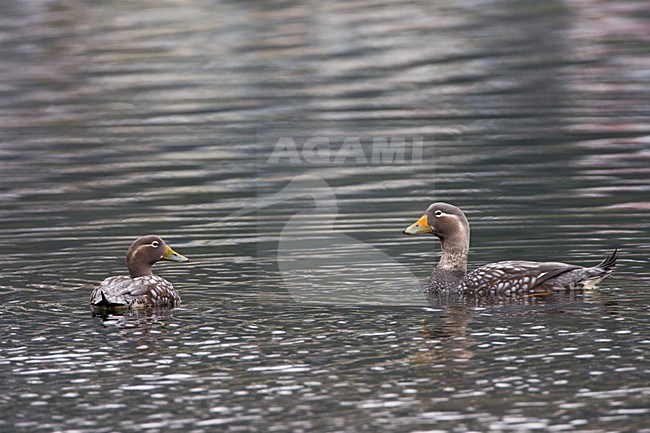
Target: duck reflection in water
{"x": 448, "y": 338}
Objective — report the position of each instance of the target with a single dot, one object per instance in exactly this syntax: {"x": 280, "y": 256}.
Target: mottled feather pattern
{"x": 500, "y": 278}
{"x": 511, "y": 277}
{"x": 127, "y": 292}
{"x": 517, "y": 277}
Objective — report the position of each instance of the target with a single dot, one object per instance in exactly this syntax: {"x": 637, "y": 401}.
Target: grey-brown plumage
{"x": 141, "y": 288}
{"x": 450, "y": 225}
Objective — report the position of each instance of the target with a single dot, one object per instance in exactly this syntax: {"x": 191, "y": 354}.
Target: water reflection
{"x": 437, "y": 300}
{"x": 143, "y": 321}
{"x": 459, "y": 312}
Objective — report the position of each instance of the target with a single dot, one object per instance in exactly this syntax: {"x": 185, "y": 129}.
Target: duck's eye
{"x": 438, "y": 213}
{"x": 155, "y": 244}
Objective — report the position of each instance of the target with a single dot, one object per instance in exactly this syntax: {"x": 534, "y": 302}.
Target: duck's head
{"x": 147, "y": 250}
{"x": 445, "y": 221}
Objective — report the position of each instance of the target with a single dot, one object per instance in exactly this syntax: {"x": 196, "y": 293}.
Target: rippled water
{"x": 302, "y": 307}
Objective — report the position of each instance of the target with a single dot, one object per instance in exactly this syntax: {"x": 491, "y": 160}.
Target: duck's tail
{"x": 609, "y": 262}
{"x": 593, "y": 276}
{"x": 98, "y": 299}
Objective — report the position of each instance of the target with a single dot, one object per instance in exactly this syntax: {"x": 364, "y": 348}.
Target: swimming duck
{"x": 450, "y": 225}
{"x": 141, "y": 288}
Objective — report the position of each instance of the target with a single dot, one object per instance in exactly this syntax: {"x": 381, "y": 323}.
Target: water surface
{"x": 302, "y": 303}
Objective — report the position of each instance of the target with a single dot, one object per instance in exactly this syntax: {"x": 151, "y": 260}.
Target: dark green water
{"x": 302, "y": 308}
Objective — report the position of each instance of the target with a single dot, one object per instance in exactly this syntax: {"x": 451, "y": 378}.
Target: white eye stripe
{"x": 155, "y": 244}
{"x": 438, "y": 213}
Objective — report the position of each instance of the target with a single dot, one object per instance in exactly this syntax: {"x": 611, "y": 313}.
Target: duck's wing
{"x": 584, "y": 277}
{"x": 512, "y": 277}
{"x": 111, "y": 291}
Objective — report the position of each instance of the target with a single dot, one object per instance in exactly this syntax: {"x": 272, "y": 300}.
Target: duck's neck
{"x": 454, "y": 255}
{"x": 137, "y": 267}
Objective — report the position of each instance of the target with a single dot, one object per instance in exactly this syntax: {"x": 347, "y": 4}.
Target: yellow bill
{"x": 419, "y": 227}
{"x": 173, "y": 256}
